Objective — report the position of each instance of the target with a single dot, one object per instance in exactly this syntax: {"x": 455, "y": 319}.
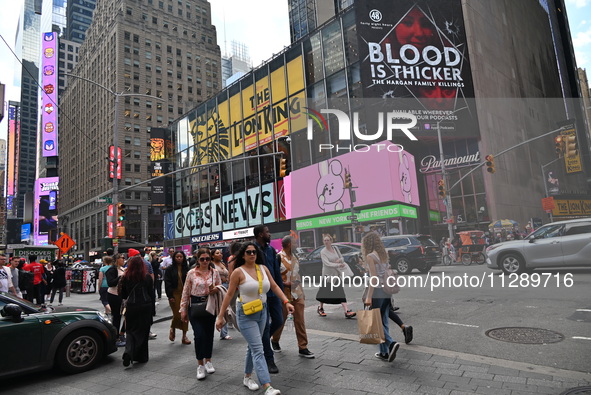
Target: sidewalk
{"x": 342, "y": 366}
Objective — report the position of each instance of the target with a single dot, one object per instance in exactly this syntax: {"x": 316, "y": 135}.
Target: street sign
{"x": 548, "y": 203}
{"x": 64, "y": 243}
{"x": 352, "y": 217}
{"x": 104, "y": 200}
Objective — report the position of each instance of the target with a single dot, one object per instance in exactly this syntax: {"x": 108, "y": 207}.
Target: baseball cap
{"x": 42, "y": 261}
{"x": 132, "y": 252}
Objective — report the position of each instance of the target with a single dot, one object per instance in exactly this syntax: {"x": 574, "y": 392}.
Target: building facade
{"x": 165, "y": 58}
{"x": 483, "y": 91}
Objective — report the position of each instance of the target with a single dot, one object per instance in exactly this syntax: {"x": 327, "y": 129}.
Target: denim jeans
{"x": 382, "y": 301}
{"x": 274, "y": 322}
{"x": 224, "y": 331}
{"x": 252, "y": 327}
{"x": 203, "y": 328}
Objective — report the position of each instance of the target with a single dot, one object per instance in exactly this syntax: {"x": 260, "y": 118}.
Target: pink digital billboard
{"x": 45, "y": 210}
{"x": 377, "y": 175}
{"x": 49, "y": 97}
{"x": 12, "y": 168}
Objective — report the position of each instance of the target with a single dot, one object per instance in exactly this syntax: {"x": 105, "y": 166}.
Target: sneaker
{"x": 209, "y": 367}
{"x": 350, "y": 314}
{"x": 321, "y": 312}
{"x": 121, "y": 341}
{"x": 250, "y": 383}
{"x": 273, "y": 369}
{"x": 276, "y": 347}
{"x": 306, "y": 353}
{"x": 272, "y": 391}
{"x": 395, "y": 308}
{"x": 407, "y": 331}
{"x": 200, "y": 372}
{"x": 60, "y": 304}
{"x": 392, "y": 351}
{"x": 152, "y": 336}
{"x": 383, "y": 357}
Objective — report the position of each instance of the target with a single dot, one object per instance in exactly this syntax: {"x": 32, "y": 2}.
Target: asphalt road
{"x": 456, "y": 318}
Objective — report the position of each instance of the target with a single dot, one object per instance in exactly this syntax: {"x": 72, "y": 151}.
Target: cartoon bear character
{"x": 49, "y": 128}
{"x": 49, "y": 52}
{"x": 49, "y": 88}
{"x": 404, "y": 176}
{"x": 331, "y": 187}
{"x": 48, "y": 70}
{"x": 48, "y": 36}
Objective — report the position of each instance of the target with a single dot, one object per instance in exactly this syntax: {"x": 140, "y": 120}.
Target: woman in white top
{"x": 113, "y": 274}
{"x": 248, "y": 265}
{"x": 333, "y": 264}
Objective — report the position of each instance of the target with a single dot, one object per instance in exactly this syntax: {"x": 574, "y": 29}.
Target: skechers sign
{"x": 229, "y": 212}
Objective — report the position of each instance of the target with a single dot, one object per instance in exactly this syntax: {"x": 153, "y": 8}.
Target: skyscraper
{"x": 155, "y": 48}
{"x": 79, "y": 18}
{"x": 307, "y": 15}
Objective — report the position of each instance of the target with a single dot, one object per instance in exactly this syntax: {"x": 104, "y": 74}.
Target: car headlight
{"x": 104, "y": 317}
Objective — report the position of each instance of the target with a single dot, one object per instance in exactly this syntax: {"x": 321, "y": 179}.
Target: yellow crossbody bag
{"x": 256, "y": 305}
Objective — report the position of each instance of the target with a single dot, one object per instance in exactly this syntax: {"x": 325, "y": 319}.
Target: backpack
{"x": 25, "y": 279}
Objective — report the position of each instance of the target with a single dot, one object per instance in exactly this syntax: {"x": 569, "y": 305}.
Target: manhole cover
{"x": 577, "y": 391}
{"x": 525, "y": 335}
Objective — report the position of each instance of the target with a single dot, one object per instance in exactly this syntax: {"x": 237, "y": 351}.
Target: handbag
{"x": 346, "y": 271}
{"x": 371, "y": 328}
{"x": 198, "y": 305}
{"x": 124, "y": 301}
{"x": 256, "y": 305}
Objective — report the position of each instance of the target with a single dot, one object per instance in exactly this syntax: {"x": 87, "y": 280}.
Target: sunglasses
{"x": 251, "y": 252}
{"x": 206, "y": 259}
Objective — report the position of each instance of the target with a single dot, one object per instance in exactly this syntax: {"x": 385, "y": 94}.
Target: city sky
{"x": 264, "y": 29}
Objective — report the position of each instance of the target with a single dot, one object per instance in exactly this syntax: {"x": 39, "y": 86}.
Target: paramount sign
{"x": 431, "y": 163}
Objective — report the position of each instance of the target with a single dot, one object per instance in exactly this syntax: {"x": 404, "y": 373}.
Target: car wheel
{"x": 512, "y": 263}
{"x": 446, "y": 260}
{"x": 467, "y": 258}
{"x": 480, "y": 258}
{"x": 79, "y": 351}
{"x": 403, "y": 266}
{"x": 425, "y": 270}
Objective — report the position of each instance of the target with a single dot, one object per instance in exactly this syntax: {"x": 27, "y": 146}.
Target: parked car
{"x": 555, "y": 245}
{"x": 301, "y": 252}
{"x": 37, "y": 338}
{"x": 408, "y": 252}
{"x": 311, "y": 265}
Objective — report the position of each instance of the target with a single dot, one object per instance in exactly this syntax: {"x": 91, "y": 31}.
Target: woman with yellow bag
{"x": 253, "y": 280}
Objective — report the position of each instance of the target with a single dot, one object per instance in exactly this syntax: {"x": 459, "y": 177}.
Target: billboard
{"x": 415, "y": 56}
{"x": 160, "y": 154}
{"x": 378, "y": 177}
{"x": 253, "y": 116}
{"x": 44, "y": 217}
{"x": 12, "y": 154}
{"x": 112, "y": 162}
{"x": 49, "y": 98}
{"x": 232, "y": 211}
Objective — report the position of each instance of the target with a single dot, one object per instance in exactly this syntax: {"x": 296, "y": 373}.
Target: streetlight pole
{"x": 447, "y": 199}
{"x": 115, "y": 194}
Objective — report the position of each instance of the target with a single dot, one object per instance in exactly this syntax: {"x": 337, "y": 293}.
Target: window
{"x": 126, "y": 48}
{"x": 136, "y": 38}
{"x": 148, "y": 55}
{"x": 148, "y": 43}
{"x": 136, "y": 128}
{"x": 159, "y": 118}
{"x": 148, "y": 104}
{"x": 178, "y": 52}
{"x": 158, "y": 70}
{"x": 158, "y": 45}
{"x": 159, "y": 81}
{"x": 136, "y": 101}
{"x": 136, "y": 141}
{"x": 137, "y": 168}
{"x": 148, "y": 67}
{"x": 161, "y": 5}
{"x": 145, "y": 17}
{"x": 127, "y": 140}
{"x": 154, "y": 20}
{"x": 169, "y": 85}
{"x": 136, "y": 63}
{"x": 170, "y": 108}
{"x": 137, "y": 154}
{"x": 127, "y": 167}
{"x": 127, "y": 35}
{"x": 168, "y": 49}
{"x": 169, "y": 8}
{"x": 578, "y": 228}
{"x": 127, "y": 61}
{"x": 128, "y": 181}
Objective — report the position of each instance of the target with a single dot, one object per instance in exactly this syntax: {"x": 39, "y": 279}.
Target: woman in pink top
{"x": 201, "y": 282}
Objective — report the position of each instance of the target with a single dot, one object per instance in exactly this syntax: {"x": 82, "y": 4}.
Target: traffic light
{"x": 559, "y": 144}
{"x": 120, "y": 212}
{"x": 441, "y": 187}
{"x": 570, "y": 145}
{"x": 490, "y": 164}
{"x": 282, "y": 167}
{"x": 348, "y": 183}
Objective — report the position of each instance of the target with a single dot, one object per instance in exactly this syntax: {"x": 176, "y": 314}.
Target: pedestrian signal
{"x": 120, "y": 212}
{"x": 490, "y": 164}
{"x": 441, "y": 187}
{"x": 559, "y": 144}
{"x": 570, "y": 145}
{"x": 121, "y": 231}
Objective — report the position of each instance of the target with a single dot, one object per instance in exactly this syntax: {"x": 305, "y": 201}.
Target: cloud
{"x": 579, "y": 3}
{"x": 582, "y": 38}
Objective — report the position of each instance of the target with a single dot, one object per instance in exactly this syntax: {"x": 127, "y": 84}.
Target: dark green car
{"x": 34, "y": 338}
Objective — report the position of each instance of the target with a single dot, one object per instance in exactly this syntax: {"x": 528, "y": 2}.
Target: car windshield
{"x": 24, "y": 302}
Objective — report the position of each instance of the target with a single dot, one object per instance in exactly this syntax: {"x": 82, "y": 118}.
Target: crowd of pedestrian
{"x": 256, "y": 290}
